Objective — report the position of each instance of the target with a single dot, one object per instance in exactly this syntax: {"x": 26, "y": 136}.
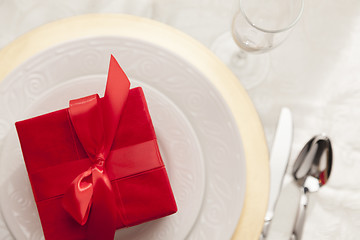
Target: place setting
{"x": 122, "y": 121}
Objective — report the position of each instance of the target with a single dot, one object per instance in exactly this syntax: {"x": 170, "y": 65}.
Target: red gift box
{"x": 95, "y": 166}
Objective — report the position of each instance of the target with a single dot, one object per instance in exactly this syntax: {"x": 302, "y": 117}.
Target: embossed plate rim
{"x": 47, "y": 81}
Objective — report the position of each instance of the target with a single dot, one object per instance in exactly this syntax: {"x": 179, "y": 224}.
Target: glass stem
{"x": 238, "y": 59}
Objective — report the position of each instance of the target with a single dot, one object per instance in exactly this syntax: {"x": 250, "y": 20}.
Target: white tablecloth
{"x": 316, "y": 73}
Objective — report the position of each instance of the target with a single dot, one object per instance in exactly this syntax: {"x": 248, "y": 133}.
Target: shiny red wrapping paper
{"x": 54, "y": 157}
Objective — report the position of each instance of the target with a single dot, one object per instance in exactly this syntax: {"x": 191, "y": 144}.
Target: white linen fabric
{"x": 316, "y": 73}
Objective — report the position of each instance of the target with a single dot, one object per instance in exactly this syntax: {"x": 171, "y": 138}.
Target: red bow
{"x": 95, "y": 122}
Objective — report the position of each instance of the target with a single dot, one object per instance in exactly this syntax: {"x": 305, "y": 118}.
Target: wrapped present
{"x": 95, "y": 166}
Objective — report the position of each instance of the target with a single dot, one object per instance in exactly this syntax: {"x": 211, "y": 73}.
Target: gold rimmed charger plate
{"x": 246, "y": 117}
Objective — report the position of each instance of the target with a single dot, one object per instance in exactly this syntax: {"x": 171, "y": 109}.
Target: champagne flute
{"x": 258, "y": 27}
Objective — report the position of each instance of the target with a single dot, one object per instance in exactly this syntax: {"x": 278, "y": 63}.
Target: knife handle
{"x": 300, "y": 216}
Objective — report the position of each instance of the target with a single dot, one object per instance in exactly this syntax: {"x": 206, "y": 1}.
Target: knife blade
{"x": 279, "y": 158}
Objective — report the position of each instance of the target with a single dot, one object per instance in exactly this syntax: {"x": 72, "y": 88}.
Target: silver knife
{"x": 279, "y": 158}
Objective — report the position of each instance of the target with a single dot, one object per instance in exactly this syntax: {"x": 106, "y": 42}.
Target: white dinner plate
{"x": 197, "y": 133}
{"x": 199, "y": 109}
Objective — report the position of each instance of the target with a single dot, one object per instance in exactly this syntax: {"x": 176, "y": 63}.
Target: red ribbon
{"x": 90, "y": 198}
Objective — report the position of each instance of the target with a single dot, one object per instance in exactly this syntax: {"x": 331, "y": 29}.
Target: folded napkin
{"x": 96, "y": 166}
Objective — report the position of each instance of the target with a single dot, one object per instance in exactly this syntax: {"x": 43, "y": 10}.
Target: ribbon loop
{"x": 82, "y": 189}
{"x": 95, "y": 122}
